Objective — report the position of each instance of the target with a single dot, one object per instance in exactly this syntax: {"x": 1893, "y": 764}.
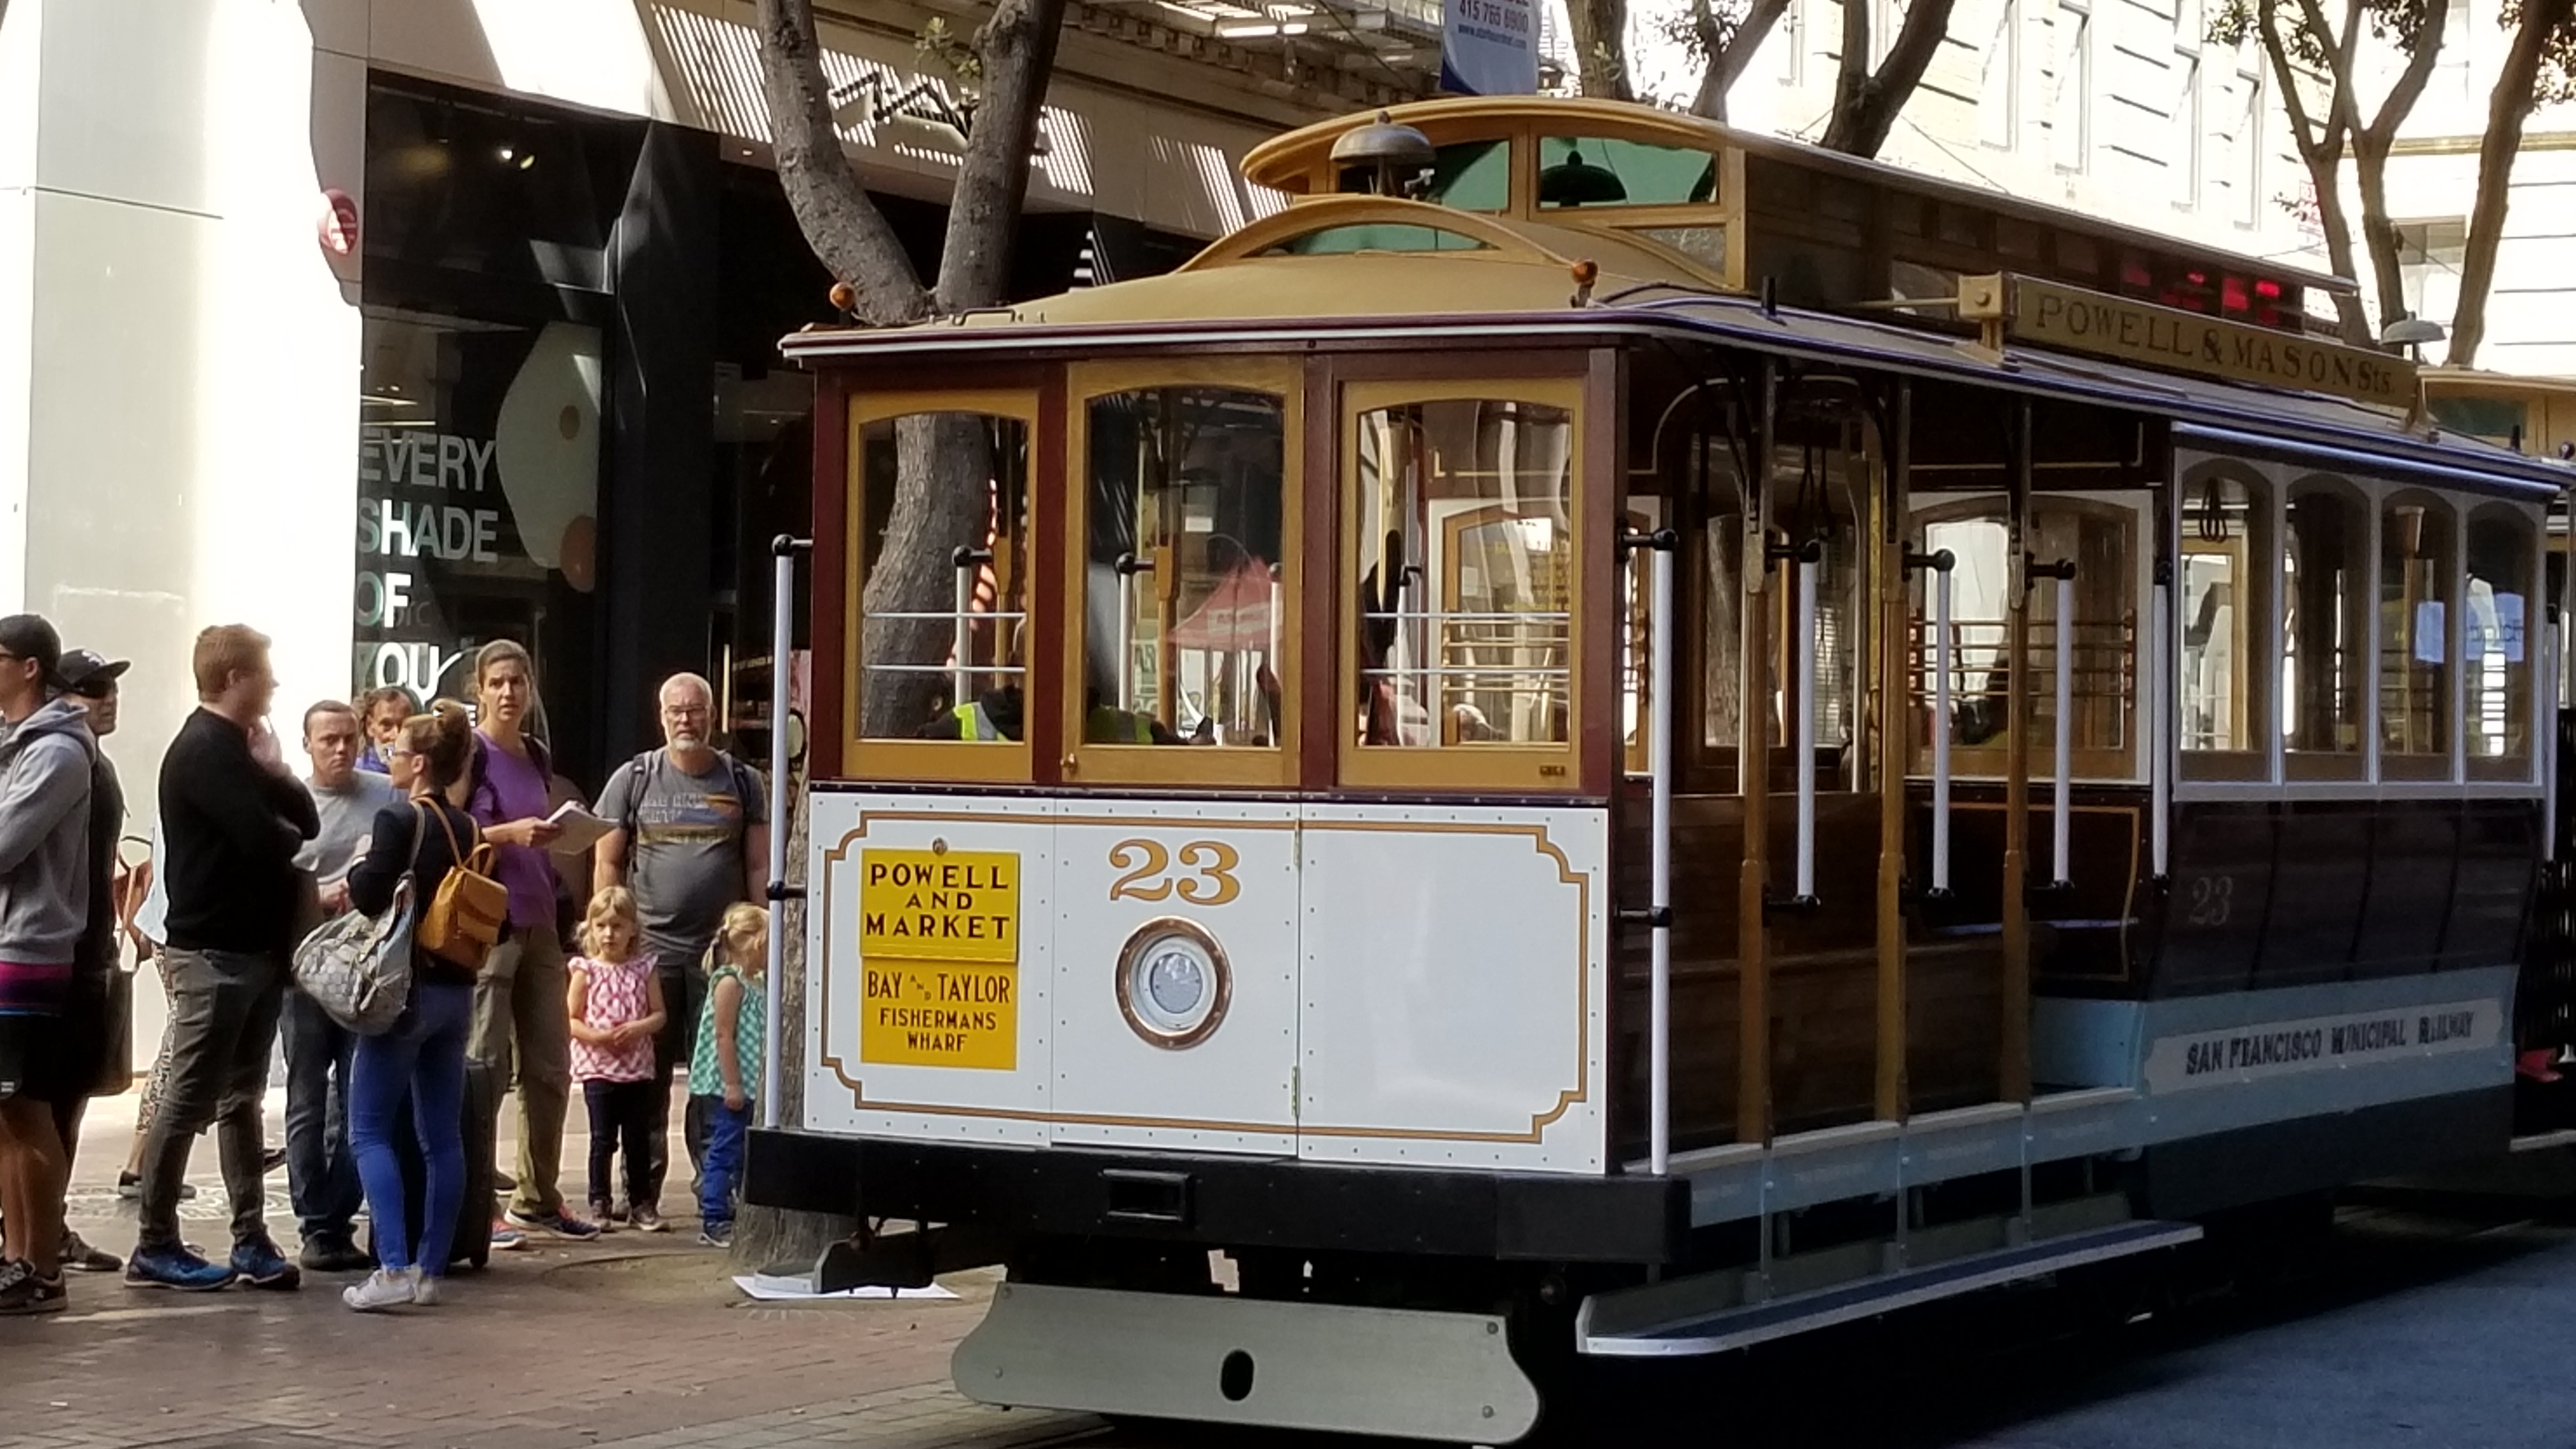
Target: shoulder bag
{"x": 357, "y": 967}
{"x": 467, "y": 913}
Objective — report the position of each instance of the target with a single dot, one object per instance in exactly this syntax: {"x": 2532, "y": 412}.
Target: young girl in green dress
{"x": 725, "y": 1071}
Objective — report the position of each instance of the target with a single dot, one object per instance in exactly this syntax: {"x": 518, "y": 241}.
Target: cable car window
{"x": 1375, "y": 236}
{"x": 2325, "y": 567}
{"x": 2224, "y": 611}
{"x": 2100, "y": 540}
{"x": 1603, "y": 171}
{"x": 2499, "y": 636}
{"x": 1184, "y": 573}
{"x": 1472, "y": 176}
{"x": 2418, "y": 556}
{"x": 1461, "y": 518}
{"x": 943, "y": 528}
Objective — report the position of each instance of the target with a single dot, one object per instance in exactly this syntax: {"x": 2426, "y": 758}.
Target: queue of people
{"x": 663, "y": 974}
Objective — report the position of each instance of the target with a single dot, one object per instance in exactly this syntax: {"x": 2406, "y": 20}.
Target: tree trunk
{"x": 840, "y": 221}
{"x": 1016, "y": 52}
{"x": 773, "y": 1238}
{"x": 1729, "y": 55}
{"x": 2508, "y": 107}
{"x": 2378, "y": 234}
{"x": 2353, "y": 321}
{"x": 1867, "y": 102}
{"x": 942, "y": 501}
{"x": 1601, "y": 47}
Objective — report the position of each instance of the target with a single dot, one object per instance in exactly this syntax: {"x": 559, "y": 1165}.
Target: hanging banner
{"x": 1489, "y": 47}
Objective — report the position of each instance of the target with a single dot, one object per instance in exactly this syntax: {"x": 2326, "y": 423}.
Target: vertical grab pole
{"x": 2062, "y": 809}
{"x": 2547, "y": 741}
{"x": 1753, "y": 778}
{"x": 1805, "y": 744}
{"x": 1889, "y": 1101}
{"x": 2013, "y": 1068}
{"x": 2162, "y": 720}
{"x": 1943, "y": 668}
{"x": 961, "y": 643}
{"x": 1659, "y": 757}
{"x": 782, "y": 645}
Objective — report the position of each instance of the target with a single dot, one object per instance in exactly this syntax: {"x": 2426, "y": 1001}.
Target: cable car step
{"x": 1751, "y": 1323}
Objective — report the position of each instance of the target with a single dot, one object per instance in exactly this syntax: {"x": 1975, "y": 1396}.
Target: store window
{"x": 2223, "y": 685}
{"x": 943, "y": 587}
{"x": 478, "y": 488}
{"x": 1187, "y": 583}
{"x": 2325, "y": 570}
{"x": 2418, "y": 554}
{"x": 2500, "y": 640}
{"x": 1464, "y": 560}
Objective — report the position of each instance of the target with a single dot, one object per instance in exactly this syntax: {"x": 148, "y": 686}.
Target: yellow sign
{"x": 939, "y": 958}
{"x": 2141, "y": 332}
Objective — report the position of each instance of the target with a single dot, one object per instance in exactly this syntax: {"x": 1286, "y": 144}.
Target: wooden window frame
{"x": 1549, "y": 769}
{"x": 1273, "y": 766}
{"x": 945, "y": 761}
{"x": 2435, "y": 765}
{"x": 2306, "y": 767}
{"x": 2256, "y": 643}
{"x": 2539, "y": 732}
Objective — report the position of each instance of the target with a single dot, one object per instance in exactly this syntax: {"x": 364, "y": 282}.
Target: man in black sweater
{"x": 232, "y": 818}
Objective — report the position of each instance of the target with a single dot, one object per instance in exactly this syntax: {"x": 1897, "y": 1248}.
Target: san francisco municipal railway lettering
{"x": 2208, "y": 1058}
{"x": 939, "y": 948}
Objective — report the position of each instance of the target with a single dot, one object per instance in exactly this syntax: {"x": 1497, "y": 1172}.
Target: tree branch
{"x": 2304, "y": 132}
{"x": 2509, "y": 105}
{"x": 840, "y": 221}
{"x": 2402, "y": 96}
{"x": 1601, "y": 46}
{"x": 1728, "y": 56}
{"x": 1865, "y": 113}
{"x": 1016, "y": 53}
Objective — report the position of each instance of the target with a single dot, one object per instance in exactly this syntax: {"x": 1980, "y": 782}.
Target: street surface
{"x": 2421, "y": 1323}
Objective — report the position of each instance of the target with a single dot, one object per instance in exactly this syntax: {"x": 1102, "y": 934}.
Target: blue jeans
{"x": 321, "y": 1171}
{"x": 725, "y": 1129}
{"x": 423, "y": 1054}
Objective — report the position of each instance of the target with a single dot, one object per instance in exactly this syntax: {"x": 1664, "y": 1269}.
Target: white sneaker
{"x": 383, "y": 1288}
{"x": 425, "y": 1290}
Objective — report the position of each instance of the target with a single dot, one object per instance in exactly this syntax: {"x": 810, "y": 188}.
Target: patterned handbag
{"x": 357, "y": 967}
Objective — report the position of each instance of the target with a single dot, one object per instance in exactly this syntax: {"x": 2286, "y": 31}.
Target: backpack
{"x": 465, "y": 916}
{"x": 745, "y": 788}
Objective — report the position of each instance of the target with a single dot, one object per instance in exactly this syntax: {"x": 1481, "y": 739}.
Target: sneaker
{"x": 22, "y": 1292}
{"x": 603, "y": 1218}
{"x": 505, "y": 1238}
{"x": 381, "y": 1289}
{"x": 426, "y": 1291}
{"x": 716, "y": 1235}
{"x": 648, "y": 1221}
{"x": 80, "y": 1257}
{"x": 175, "y": 1268}
{"x": 333, "y": 1255}
{"x": 559, "y": 1223}
{"x": 259, "y": 1265}
{"x": 130, "y": 1187}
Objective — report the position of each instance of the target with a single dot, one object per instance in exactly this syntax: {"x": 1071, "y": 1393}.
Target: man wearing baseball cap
{"x": 93, "y": 1028}
{"x": 45, "y": 758}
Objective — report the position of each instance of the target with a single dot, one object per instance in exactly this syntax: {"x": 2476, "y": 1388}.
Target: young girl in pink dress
{"x": 615, "y": 1002}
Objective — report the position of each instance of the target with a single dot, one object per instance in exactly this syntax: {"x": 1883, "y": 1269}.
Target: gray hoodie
{"x": 44, "y": 835}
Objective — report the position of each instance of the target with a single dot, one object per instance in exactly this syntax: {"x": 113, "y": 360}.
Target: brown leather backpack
{"x": 464, "y": 917}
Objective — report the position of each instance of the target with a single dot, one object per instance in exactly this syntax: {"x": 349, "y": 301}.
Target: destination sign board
{"x": 939, "y": 958}
{"x": 2126, "y": 330}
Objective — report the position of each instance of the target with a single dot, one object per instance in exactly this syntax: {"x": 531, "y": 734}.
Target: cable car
{"x": 1611, "y": 737}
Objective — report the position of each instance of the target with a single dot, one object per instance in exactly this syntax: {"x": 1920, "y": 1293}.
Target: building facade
{"x": 395, "y": 326}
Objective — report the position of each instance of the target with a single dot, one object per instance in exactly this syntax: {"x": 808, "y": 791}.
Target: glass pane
{"x": 2500, "y": 640}
{"x": 2226, "y": 616}
{"x": 1598, "y": 171}
{"x": 1375, "y": 236}
{"x": 2416, "y": 552}
{"x": 1182, "y": 584}
{"x": 2325, "y": 576}
{"x": 943, "y": 633}
{"x": 1472, "y": 176}
{"x": 2100, "y": 540}
{"x": 1466, "y": 572}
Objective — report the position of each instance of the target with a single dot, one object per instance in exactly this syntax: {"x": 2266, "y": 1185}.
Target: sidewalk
{"x": 634, "y": 1341}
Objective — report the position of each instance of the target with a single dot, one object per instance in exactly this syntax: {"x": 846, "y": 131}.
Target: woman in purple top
{"x": 519, "y": 1000}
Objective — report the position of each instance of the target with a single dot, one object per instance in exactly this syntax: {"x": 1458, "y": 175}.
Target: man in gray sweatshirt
{"x": 45, "y": 757}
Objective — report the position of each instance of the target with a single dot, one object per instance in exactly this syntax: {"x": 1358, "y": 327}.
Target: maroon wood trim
{"x": 1599, "y": 494}
{"x": 1320, "y": 660}
{"x": 829, "y": 578}
{"x": 1051, "y": 542}
{"x": 1459, "y": 365}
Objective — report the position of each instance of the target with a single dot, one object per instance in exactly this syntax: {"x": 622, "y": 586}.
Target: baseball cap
{"x": 87, "y": 667}
{"x": 30, "y": 636}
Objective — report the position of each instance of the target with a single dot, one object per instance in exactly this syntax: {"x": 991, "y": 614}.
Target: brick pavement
{"x": 632, "y": 1342}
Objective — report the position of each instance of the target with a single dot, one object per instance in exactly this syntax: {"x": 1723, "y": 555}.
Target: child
{"x": 726, "y": 1068}
{"x": 615, "y": 1002}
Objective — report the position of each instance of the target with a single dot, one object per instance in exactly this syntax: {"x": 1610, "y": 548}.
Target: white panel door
{"x": 1454, "y": 987}
{"x": 930, "y": 933}
{"x": 1176, "y": 975}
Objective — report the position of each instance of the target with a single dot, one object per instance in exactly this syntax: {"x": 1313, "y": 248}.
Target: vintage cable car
{"x": 1607, "y": 736}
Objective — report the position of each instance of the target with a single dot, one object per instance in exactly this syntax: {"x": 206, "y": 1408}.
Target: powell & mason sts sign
{"x": 2124, "y": 330}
